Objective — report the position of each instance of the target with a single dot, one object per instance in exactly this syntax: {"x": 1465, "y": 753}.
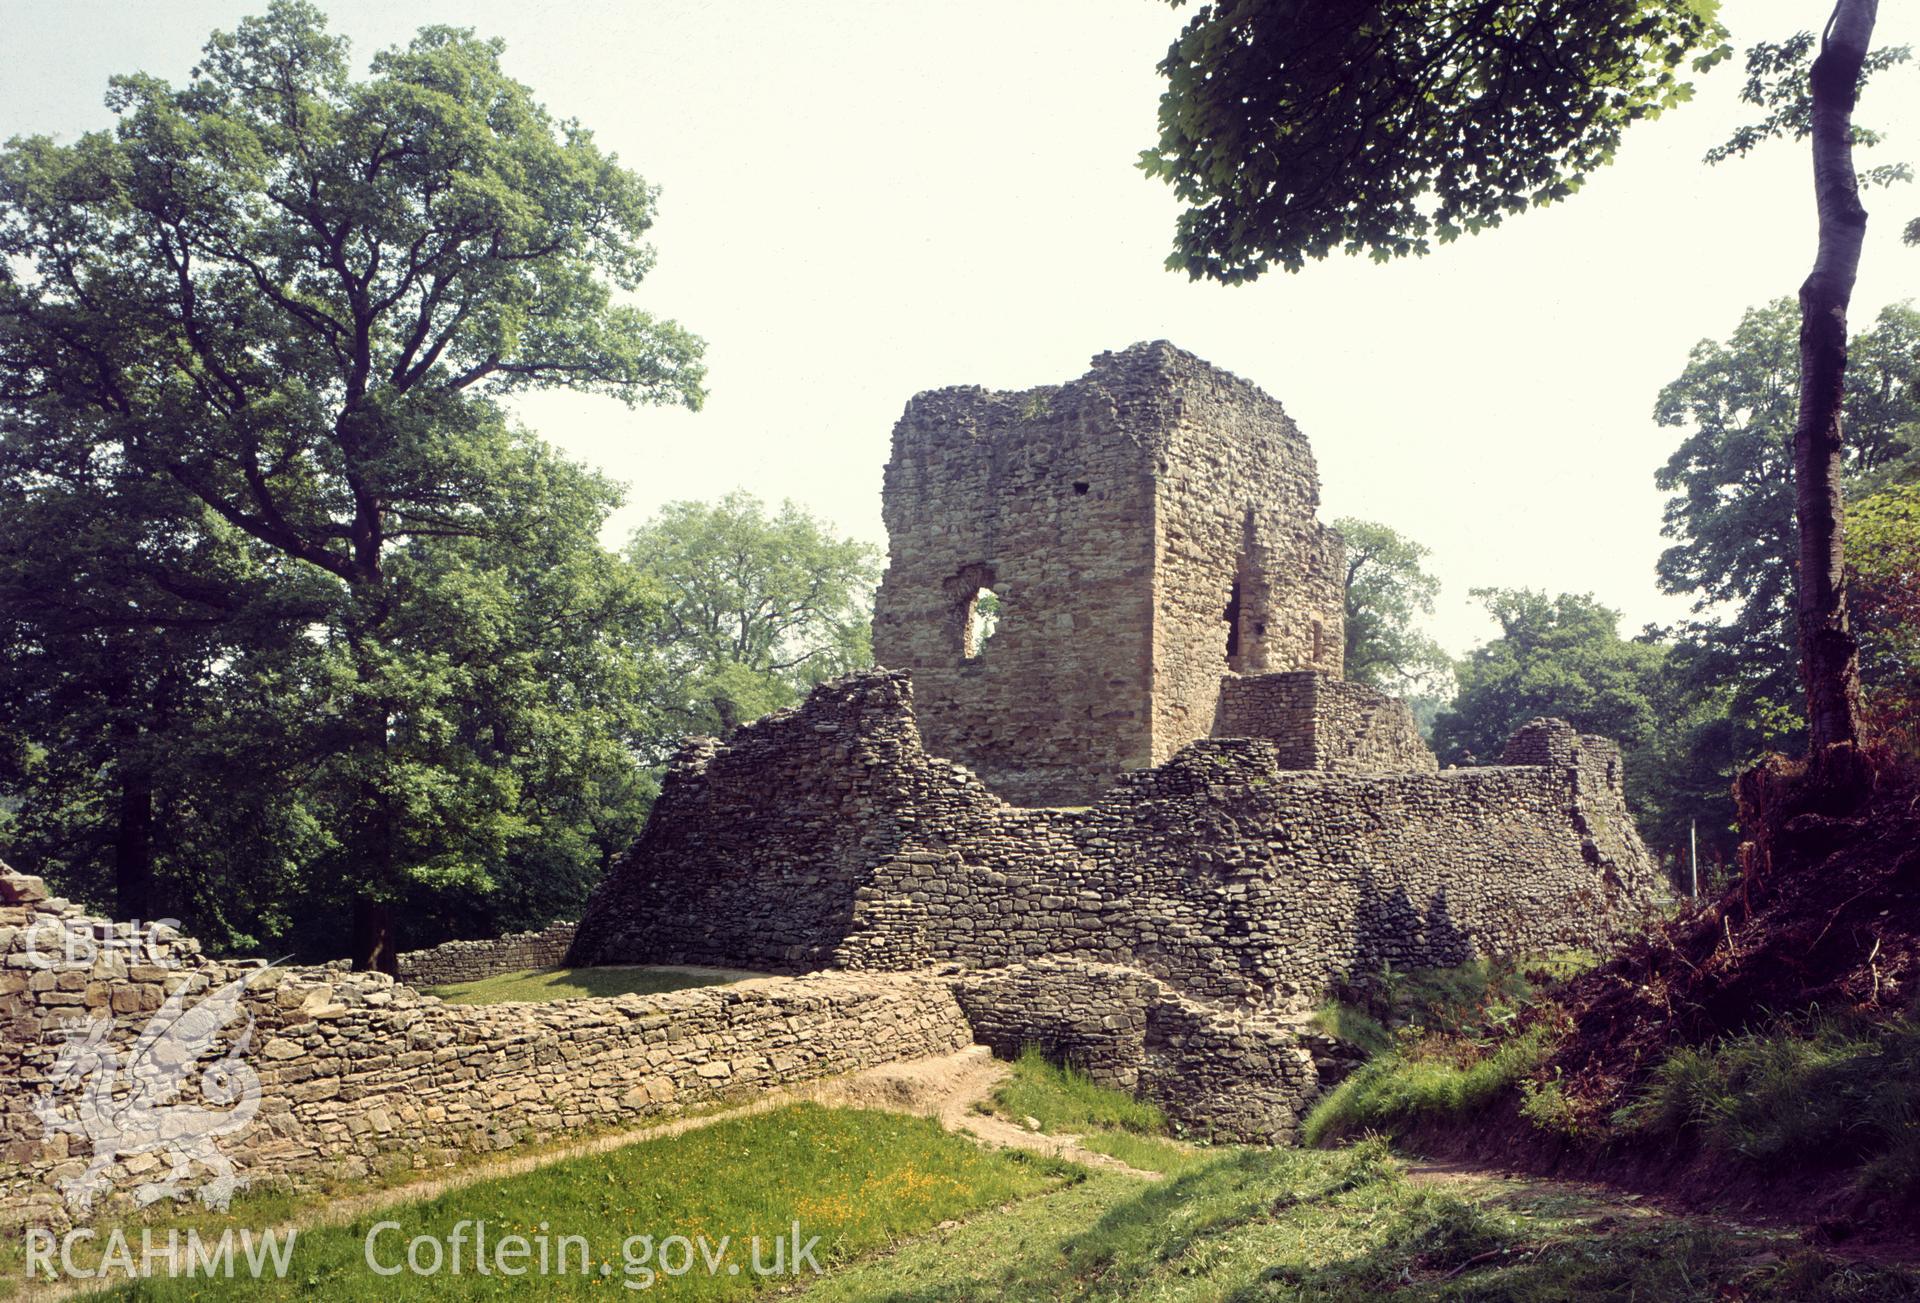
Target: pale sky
{"x": 862, "y": 199}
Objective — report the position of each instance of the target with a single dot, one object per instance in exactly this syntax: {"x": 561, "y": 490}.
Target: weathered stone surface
{"x": 1228, "y": 1074}
{"x": 470, "y": 961}
{"x": 1146, "y": 528}
{"x": 1220, "y": 873}
{"x": 353, "y": 1067}
{"x": 20, "y": 888}
{"x": 1316, "y": 721}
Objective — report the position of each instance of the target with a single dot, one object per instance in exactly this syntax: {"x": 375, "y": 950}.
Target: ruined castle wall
{"x": 1220, "y": 873}
{"x": 1211, "y": 1072}
{"x": 1041, "y": 497}
{"x": 755, "y": 850}
{"x": 1146, "y": 528}
{"x": 1318, "y": 722}
{"x": 1245, "y": 578}
{"x": 360, "y": 1074}
{"x": 471, "y": 961}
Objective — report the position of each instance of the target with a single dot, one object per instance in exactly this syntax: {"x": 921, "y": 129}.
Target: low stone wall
{"x": 826, "y": 835}
{"x": 1316, "y": 721}
{"x": 355, "y": 1072}
{"x": 470, "y": 961}
{"x": 1212, "y": 1072}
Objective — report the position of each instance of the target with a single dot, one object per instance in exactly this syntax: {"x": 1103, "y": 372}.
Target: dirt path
{"x": 947, "y": 1088}
{"x": 1606, "y": 1208}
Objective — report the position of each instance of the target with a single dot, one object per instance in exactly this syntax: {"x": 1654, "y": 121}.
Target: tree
{"x": 122, "y": 628}
{"x": 1292, "y": 128}
{"x": 1733, "y": 511}
{"x": 1388, "y": 590}
{"x": 1816, "y": 103}
{"x": 298, "y": 297}
{"x": 1557, "y": 656}
{"x": 1884, "y": 562}
{"x": 756, "y": 608}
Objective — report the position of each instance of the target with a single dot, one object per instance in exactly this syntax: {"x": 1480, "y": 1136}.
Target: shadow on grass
{"x": 577, "y": 984}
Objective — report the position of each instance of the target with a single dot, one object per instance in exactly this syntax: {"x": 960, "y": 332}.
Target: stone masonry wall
{"x": 1045, "y": 498}
{"x": 1245, "y": 578}
{"x": 1145, "y": 528}
{"x": 1232, "y": 1077}
{"x": 1316, "y": 721}
{"x": 359, "y": 1073}
{"x": 1221, "y": 873}
{"x": 470, "y": 961}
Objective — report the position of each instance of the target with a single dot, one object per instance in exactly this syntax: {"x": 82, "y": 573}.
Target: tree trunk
{"x": 373, "y": 937}
{"x": 133, "y": 842}
{"x": 1829, "y": 656}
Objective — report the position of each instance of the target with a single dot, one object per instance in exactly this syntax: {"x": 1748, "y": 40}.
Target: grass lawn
{"x": 907, "y": 1213}
{"x": 576, "y": 984}
{"x": 859, "y": 1181}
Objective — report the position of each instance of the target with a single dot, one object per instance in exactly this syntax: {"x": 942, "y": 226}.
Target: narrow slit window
{"x": 1232, "y": 617}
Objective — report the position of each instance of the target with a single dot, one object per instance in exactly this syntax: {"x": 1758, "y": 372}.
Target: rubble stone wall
{"x": 1316, "y": 721}
{"x": 1221, "y": 873}
{"x": 1246, "y": 579}
{"x": 358, "y": 1073}
{"x": 470, "y": 961}
{"x": 1145, "y": 529}
{"x": 1213, "y": 1072}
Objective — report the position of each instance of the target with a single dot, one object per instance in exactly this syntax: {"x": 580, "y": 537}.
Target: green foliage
{"x": 1545, "y": 1105}
{"x": 1817, "y": 1091}
{"x": 1438, "y": 1078}
{"x": 1556, "y": 656}
{"x": 1883, "y": 563}
{"x": 1731, "y": 515}
{"x": 259, "y": 333}
{"x": 543, "y": 984}
{"x": 1064, "y": 1099}
{"x": 1460, "y": 999}
{"x": 1387, "y": 591}
{"x": 1779, "y": 80}
{"x": 756, "y": 609}
{"x": 1290, "y": 129}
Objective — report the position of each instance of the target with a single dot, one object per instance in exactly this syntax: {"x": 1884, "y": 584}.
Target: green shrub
{"x": 1546, "y": 1106}
{"x": 1475, "y": 995}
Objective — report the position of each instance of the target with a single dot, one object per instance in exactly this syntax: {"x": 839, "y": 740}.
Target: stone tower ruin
{"x": 1141, "y": 822}
{"x": 1145, "y": 530}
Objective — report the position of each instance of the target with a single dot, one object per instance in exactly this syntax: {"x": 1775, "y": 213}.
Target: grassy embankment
{"x": 576, "y": 984}
{"x": 1797, "y": 1093}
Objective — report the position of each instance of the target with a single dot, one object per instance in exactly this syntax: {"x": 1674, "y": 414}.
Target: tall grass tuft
{"x": 1436, "y": 1078}
{"x": 1826, "y": 1090}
